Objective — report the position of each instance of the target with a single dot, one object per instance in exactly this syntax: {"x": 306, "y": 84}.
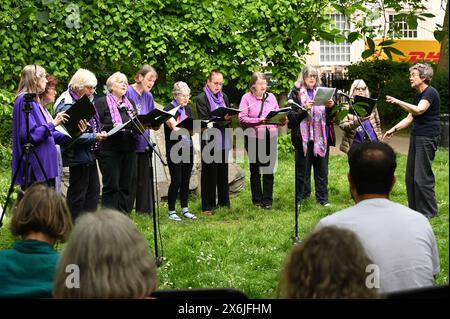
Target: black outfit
{"x": 214, "y": 174}
{"x": 303, "y": 163}
{"x": 117, "y": 159}
{"x": 180, "y": 165}
{"x": 423, "y": 144}
{"x": 261, "y": 194}
{"x": 83, "y": 193}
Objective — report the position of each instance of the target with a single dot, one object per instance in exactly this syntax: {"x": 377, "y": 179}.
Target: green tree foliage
{"x": 184, "y": 39}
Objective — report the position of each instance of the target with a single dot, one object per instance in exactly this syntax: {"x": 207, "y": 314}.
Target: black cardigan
{"x": 295, "y": 117}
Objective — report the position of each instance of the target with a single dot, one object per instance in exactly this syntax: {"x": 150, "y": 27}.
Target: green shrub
{"x": 440, "y": 83}
{"x": 6, "y": 110}
{"x": 285, "y": 145}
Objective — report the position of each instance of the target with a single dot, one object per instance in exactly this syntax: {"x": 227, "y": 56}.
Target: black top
{"x": 204, "y": 109}
{"x": 123, "y": 141}
{"x": 295, "y": 117}
{"x": 428, "y": 123}
{"x": 170, "y": 143}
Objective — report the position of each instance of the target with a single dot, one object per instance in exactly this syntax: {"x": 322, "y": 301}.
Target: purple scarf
{"x": 113, "y": 106}
{"x": 181, "y": 111}
{"x": 313, "y": 127}
{"x": 214, "y": 101}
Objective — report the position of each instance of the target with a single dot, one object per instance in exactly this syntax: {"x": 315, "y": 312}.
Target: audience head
{"x": 423, "y": 70}
{"x": 32, "y": 80}
{"x": 372, "y": 167}
{"x": 112, "y": 257}
{"x": 309, "y": 77}
{"x": 49, "y": 94}
{"x": 359, "y": 87}
{"x": 215, "y": 81}
{"x": 83, "y": 82}
{"x": 330, "y": 263}
{"x": 181, "y": 93}
{"x": 42, "y": 210}
{"x": 146, "y": 77}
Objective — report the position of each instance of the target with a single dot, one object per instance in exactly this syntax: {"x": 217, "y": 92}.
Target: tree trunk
{"x": 443, "y": 58}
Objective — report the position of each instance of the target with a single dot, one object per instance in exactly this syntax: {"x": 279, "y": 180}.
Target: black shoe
{"x": 259, "y": 205}
{"x": 267, "y": 206}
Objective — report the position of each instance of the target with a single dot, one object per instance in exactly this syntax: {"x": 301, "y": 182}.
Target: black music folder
{"x": 81, "y": 109}
{"x": 276, "y": 117}
{"x": 366, "y": 103}
{"x": 188, "y": 123}
{"x": 156, "y": 117}
{"x": 222, "y": 111}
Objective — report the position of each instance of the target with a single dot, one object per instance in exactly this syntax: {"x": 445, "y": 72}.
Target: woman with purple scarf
{"x": 83, "y": 193}
{"x": 214, "y": 171}
{"x": 179, "y": 152}
{"x": 312, "y": 133}
{"x": 117, "y": 156}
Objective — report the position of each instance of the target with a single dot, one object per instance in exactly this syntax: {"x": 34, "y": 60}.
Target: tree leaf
{"x": 352, "y": 37}
{"x": 367, "y": 53}
{"x": 386, "y": 43}
{"x": 370, "y": 43}
{"x": 394, "y": 50}
{"x": 439, "y": 35}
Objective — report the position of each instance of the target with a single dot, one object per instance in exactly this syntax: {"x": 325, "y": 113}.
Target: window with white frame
{"x": 336, "y": 53}
{"x": 403, "y": 27}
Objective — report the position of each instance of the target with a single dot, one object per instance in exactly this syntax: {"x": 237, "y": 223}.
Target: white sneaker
{"x": 174, "y": 217}
{"x": 189, "y": 215}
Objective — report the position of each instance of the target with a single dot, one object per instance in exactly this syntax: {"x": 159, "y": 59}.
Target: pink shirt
{"x": 250, "y": 108}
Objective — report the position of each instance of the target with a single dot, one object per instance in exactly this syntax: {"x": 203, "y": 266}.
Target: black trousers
{"x": 141, "y": 190}
{"x": 84, "y": 189}
{"x": 117, "y": 169}
{"x": 180, "y": 175}
{"x": 262, "y": 165}
{"x": 419, "y": 176}
{"x": 303, "y": 166}
{"x": 214, "y": 180}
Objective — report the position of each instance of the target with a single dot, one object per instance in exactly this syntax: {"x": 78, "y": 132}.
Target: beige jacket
{"x": 349, "y": 125}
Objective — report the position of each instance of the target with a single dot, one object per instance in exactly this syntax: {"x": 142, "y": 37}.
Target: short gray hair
{"x": 308, "y": 70}
{"x": 425, "y": 71}
{"x": 112, "y": 256}
{"x": 180, "y": 87}
{"x": 114, "y": 78}
{"x": 81, "y": 79}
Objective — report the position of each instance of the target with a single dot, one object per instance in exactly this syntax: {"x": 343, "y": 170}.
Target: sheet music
{"x": 174, "y": 110}
{"x": 118, "y": 128}
{"x": 323, "y": 94}
{"x": 62, "y": 130}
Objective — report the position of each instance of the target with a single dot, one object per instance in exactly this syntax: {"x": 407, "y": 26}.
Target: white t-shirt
{"x": 399, "y": 240}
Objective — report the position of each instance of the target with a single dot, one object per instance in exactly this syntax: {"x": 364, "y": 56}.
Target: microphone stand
{"x": 357, "y": 116}
{"x": 298, "y": 201}
{"x": 141, "y": 129}
{"x": 26, "y": 148}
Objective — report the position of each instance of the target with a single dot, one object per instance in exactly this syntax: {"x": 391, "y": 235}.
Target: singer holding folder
{"x": 312, "y": 133}
{"x": 83, "y": 193}
{"x": 214, "y": 173}
{"x": 117, "y": 156}
{"x": 179, "y": 152}
{"x": 261, "y": 139}
{"x": 141, "y": 184}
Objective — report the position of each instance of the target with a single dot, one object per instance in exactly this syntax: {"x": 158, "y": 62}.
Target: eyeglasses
{"x": 311, "y": 76}
{"x": 51, "y": 89}
{"x": 362, "y": 88}
{"x": 184, "y": 95}
{"x": 217, "y": 83}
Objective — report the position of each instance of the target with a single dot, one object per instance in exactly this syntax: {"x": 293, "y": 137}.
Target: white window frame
{"x": 402, "y": 30}
{"x": 323, "y": 44}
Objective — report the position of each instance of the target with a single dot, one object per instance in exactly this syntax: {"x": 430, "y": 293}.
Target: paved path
{"x": 399, "y": 142}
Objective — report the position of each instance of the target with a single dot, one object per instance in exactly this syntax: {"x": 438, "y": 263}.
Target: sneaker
{"x": 189, "y": 215}
{"x": 267, "y": 206}
{"x": 326, "y": 204}
{"x": 174, "y": 217}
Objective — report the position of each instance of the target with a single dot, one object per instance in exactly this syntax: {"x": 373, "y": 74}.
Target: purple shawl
{"x": 214, "y": 101}
{"x": 113, "y": 106}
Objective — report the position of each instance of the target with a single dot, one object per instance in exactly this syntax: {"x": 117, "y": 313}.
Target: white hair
{"x": 81, "y": 79}
{"x": 115, "y": 78}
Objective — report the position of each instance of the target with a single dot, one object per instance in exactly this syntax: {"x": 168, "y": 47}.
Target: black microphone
{"x": 297, "y": 106}
{"x": 265, "y": 96}
{"x": 339, "y": 92}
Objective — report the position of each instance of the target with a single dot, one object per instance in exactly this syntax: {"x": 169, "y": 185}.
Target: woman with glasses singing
{"x": 41, "y": 129}
{"x": 83, "y": 192}
{"x": 312, "y": 134}
{"x": 214, "y": 178}
{"x": 351, "y": 125}
{"x": 179, "y": 152}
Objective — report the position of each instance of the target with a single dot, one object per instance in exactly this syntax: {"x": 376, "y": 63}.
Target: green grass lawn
{"x": 245, "y": 247}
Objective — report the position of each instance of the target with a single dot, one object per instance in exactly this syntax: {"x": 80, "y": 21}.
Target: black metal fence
{"x": 336, "y": 80}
